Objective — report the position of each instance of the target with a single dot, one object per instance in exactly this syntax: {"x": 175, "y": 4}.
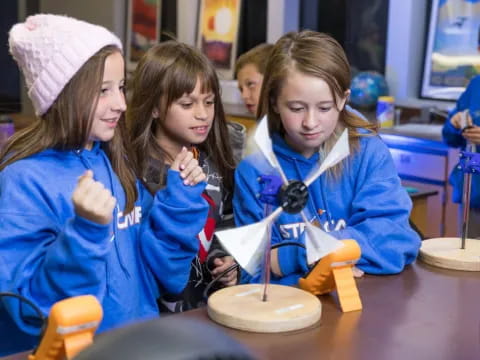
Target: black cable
{"x": 42, "y": 317}
{"x": 29, "y": 302}
{"x": 287, "y": 243}
{"x": 215, "y": 280}
{"x": 236, "y": 266}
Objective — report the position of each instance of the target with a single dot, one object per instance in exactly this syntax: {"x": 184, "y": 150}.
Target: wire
{"x": 40, "y": 315}
{"x": 287, "y": 243}
{"x": 215, "y": 280}
{"x": 236, "y": 266}
{"x": 24, "y": 299}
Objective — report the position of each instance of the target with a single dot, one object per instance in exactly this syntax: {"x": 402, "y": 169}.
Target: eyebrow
{"x": 318, "y": 103}
{"x": 111, "y": 81}
{"x": 190, "y": 96}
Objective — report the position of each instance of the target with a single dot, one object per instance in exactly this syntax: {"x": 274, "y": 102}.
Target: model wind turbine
{"x": 275, "y": 308}
{"x": 458, "y": 253}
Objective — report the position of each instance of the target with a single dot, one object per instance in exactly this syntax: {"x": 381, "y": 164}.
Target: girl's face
{"x": 111, "y": 101}
{"x": 307, "y": 110}
{"x": 188, "y": 120}
{"x": 250, "y": 84}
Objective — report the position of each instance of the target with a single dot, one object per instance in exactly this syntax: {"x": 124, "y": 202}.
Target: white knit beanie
{"x": 50, "y": 49}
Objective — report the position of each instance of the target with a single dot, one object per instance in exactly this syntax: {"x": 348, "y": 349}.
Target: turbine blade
{"x": 339, "y": 152}
{"x": 318, "y": 243}
{"x": 247, "y": 243}
{"x": 264, "y": 143}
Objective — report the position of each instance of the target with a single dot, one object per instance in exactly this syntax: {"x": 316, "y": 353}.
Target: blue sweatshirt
{"x": 366, "y": 203}
{"x": 48, "y": 253}
{"x": 470, "y": 99}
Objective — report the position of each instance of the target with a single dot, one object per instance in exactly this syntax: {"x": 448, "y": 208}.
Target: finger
{"x": 88, "y": 174}
{"x": 195, "y": 174}
{"x": 469, "y": 120}
{"x": 187, "y": 165}
{"x": 179, "y": 158}
{"x": 455, "y": 120}
{"x": 230, "y": 279}
{"x": 83, "y": 187}
{"x": 198, "y": 179}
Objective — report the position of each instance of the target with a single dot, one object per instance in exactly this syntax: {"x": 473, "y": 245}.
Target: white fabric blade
{"x": 246, "y": 244}
{"x": 339, "y": 152}
{"x": 318, "y": 243}
{"x": 264, "y": 143}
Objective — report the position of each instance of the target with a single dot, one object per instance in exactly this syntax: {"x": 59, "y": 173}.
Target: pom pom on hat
{"x": 50, "y": 49}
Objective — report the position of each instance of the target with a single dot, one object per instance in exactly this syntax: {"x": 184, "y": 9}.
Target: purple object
{"x": 6, "y": 129}
{"x": 271, "y": 186}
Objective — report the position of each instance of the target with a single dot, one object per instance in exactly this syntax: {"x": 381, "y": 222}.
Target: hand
{"x": 188, "y": 167}
{"x": 358, "y": 273}
{"x": 92, "y": 201}
{"x": 222, "y": 264}
{"x": 472, "y": 134}
{"x": 456, "y": 120}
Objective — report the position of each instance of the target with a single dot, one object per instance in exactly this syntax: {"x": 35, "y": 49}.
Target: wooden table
{"x": 423, "y": 313}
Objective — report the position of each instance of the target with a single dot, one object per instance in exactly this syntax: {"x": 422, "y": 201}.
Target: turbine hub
{"x": 293, "y": 197}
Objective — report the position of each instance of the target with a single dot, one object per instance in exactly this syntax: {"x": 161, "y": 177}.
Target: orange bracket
{"x": 71, "y": 325}
{"x": 334, "y": 271}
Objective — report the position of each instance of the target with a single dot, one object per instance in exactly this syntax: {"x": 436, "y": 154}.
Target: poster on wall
{"x": 453, "y": 48}
{"x": 217, "y": 33}
{"x": 143, "y": 30}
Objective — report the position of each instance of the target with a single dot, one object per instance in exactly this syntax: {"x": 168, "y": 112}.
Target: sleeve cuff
{"x": 90, "y": 230}
{"x": 176, "y": 193}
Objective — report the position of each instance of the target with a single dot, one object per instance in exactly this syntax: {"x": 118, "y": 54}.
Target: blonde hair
{"x": 165, "y": 73}
{"x": 314, "y": 54}
{"x": 257, "y": 56}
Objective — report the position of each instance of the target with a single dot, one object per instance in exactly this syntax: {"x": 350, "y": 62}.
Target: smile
{"x": 200, "y": 129}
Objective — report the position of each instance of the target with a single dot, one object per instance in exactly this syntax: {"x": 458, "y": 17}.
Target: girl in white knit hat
{"x": 73, "y": 218}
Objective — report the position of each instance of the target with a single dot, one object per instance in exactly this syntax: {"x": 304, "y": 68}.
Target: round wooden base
{"x": 446, "y": 253}
{"x": 287, "y": 308}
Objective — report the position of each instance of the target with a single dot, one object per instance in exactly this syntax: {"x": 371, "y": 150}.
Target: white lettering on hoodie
{"x": 133, "y": 218}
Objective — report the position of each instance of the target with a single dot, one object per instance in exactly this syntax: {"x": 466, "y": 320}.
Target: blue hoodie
{"x": 470, "y": 99}
{"x": 48, "y": 253}
{"x": 367, "y": 203}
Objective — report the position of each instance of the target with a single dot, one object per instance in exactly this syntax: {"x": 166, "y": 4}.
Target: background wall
{"x": 407, "y": 24}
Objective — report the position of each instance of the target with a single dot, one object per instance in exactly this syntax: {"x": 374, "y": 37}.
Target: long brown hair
{"x": 67, "y": 124}
{"x": 164, "y": 74}
{"x": 315, "y": 54}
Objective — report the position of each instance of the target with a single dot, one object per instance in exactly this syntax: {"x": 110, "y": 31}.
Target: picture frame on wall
{"x": 452, "y": 55}
{"x": 217, "y": 33}
{"x": 143, "y": 29}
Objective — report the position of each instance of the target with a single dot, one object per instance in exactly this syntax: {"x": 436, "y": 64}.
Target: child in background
{"x": 456, "y": 134}
{"x": 176, "y": 103}
{"x": 249, "y": 71}
{"x": 73, "y": 218}
{"x": 304, "y": 94}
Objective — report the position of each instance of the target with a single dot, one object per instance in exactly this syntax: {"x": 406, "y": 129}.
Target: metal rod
{"x": 266, "y": 255}
{"x": 467, "y": 184}
{"x": 467, "y": 189}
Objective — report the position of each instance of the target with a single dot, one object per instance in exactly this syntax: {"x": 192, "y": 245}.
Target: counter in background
{"x": 425, "y": 162}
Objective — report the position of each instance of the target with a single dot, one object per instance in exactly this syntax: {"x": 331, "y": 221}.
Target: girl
{"x": 73, "y": 219}
{"x": 176, "y": 103}
{"x": 304, "y": 94}
{"x": 455, "y": 134}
